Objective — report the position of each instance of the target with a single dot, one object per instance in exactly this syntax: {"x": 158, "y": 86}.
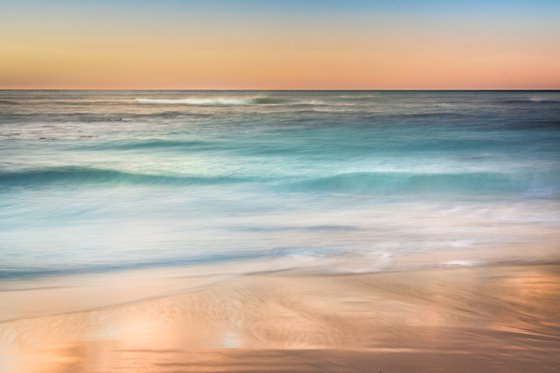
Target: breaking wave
{"x": 210, "y": 101}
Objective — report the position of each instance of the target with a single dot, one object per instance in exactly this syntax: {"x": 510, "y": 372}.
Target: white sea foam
{"x": 536, "y": 98}
{"x": 231, "y": 101}
{"x": 545, "y": 98}
{"x": 195, "y": 101}
{"x": 335, "y": 262}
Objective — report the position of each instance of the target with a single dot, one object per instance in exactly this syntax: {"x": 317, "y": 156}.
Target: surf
{"x": 216, "y": 101}
{"x": 100, "y": 176}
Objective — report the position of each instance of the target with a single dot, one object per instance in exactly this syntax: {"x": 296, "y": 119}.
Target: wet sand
{"x": 475, "y": 319}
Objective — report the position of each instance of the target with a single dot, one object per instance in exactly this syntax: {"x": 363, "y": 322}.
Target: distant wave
{"x": 530, "y": 100}
{"x": 87, "y": 175}
{"x": 162, "y": 115}
{"x": 64, "y": 118}
{"x": 367, "y": 182}
{"x": 149, "y": 144}
{"x": 543, "y": 99}
{"x": 210, "y": 101}
{"x": 98, "y": 117}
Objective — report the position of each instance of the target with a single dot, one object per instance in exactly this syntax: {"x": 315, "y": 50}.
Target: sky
{"x": 282, "y": 44}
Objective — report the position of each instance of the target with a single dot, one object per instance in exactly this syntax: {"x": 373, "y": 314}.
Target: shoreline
{"x": 136, "y": 285}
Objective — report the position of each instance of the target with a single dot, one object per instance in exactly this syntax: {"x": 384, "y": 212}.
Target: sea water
{"x": 338, "y": 181}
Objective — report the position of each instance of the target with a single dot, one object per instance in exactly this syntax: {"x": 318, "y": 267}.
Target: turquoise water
{"x": 330, "y": 181}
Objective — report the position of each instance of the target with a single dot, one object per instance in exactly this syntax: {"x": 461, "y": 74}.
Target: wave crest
{"x": 88, "y": 175}
{"x": 368, "y": 182}
{"x": 218, "y": 101}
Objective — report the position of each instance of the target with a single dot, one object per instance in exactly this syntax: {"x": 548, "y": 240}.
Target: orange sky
{"x": 245, "y": 45}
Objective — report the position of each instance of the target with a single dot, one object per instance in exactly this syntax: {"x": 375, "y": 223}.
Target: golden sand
{"x": 485, "y": 319}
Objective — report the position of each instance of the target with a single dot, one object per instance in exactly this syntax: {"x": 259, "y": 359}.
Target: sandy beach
{"x": 475, "y": 319}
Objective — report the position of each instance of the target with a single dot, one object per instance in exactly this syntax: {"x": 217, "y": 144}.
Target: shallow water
{"x": 331, "y": 181}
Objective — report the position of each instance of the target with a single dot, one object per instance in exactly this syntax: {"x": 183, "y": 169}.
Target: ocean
{"x": 322, "y": 181}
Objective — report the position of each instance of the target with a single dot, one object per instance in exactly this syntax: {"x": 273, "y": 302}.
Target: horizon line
{"x": 291, "y": 90}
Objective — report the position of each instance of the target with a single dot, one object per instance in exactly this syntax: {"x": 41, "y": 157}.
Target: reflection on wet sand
{"x": 487, "y": 319}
